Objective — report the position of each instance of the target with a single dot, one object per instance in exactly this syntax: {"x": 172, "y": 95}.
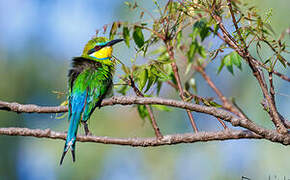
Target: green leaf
{"x": 161, "y": 50}
{"x": 159, "y": 71}
{"x": 126, "y": 35}
{"x": 188, "y": 68}
{"x": 214, "y": 104}
{"x": 186, "y": 86}
{"x": 282, "y": 60}
{"x": 178, "y": 38}
{"x": 126, "y": 69}
{"x": 221, "y": 66}
{"x": 267, "y": 61}
{"x": 172, "y": 78}
{"x": 158, "y": 88}
{"x": 196, "y": 100}
{"x": 229, "y": 60}
{"x": 113, "y": 30}
{"x": 143, "y": 113}
{"x": 205, "y": 102}
{"x": 216, "y": 28}
{"x": 143, "y": 76}
{"x": 145, "y": 48}
{"x": 162, "y": 107}
{"x": 151, "y": 79}
{"x": 229, "y": 64}
{"x": 192, "y": 50}
{"x": 138, "y": 37}
{"x": 128, "y": 4}
{"x": 236, "y": 59}
{"x": 204, "y": 32}
{"x": 202, "y": 28}
{"x": 201, "y": 51}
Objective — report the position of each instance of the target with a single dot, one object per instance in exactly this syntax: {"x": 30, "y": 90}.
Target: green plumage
{"x": 90, "y": 79}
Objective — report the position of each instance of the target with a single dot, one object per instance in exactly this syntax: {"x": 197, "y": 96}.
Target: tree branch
{"x": 258, "y": 74}
{"x": 229, "y": 3}
{"x": 144, "y": 142}
{"x": 271, "y": 135}
{"x": 179, "y": 86}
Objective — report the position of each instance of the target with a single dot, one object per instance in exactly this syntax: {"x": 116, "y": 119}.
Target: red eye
{"x": 97, "y": 48}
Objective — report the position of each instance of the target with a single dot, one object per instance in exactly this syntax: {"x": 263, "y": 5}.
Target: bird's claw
{"x": 86, "y": 128}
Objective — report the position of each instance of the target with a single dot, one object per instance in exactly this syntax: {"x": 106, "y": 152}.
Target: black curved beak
{"x": 115, "y": 41}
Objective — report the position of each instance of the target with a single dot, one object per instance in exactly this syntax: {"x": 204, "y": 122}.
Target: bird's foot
{"x": 89, "y": 134}
{"x": 86, "y": 128}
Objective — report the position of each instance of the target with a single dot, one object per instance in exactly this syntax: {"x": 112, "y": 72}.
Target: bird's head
{"x": 99, "y": 48}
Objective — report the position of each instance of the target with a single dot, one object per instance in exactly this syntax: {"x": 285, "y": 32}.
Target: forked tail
{"x": 71, "y": 135}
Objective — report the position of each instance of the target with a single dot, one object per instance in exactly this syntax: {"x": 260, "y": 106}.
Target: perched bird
{"x": 90, "y": 79}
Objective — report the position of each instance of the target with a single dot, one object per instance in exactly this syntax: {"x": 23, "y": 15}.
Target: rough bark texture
{"x": 253, "y": 130}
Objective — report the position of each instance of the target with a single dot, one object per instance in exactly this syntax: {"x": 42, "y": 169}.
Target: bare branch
{"x": 125, "y": 100}
{"x": 272, "y": 90}
{"x": 282, "y": 76}
{"x": 31, "y": 108}
{"x": 144, "y": 142}
{"x": 128, "y": 100}
{"x": 179, "y": 86}
{"x": 122, "y": 100}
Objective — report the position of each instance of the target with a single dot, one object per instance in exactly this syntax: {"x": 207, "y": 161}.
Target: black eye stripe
{"x": 97, "y": 48}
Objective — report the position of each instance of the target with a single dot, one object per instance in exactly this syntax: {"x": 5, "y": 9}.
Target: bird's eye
{"x": 96, "y": 48}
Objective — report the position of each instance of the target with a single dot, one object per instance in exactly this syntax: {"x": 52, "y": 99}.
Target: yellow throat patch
{"x": 104, "y": 53}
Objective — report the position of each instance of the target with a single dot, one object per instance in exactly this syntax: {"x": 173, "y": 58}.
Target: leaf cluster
{"x": 189, "y": 29}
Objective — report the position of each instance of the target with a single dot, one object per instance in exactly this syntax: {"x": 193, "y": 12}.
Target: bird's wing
{"x": 89, "y": 82}
{"x": 97, "y": 89}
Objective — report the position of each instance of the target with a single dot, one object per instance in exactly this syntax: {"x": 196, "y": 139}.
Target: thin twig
{"x": 280, "y": 75}
{"x": 235, "y": 23}
{"x": 222, "y": 123}
{"x": 177, "y": 78}
{"x": 199, "y": 98}
{"x": 272, "y": 91}
{"x": 151, "y": 115}
{"x": 226, "y": 103}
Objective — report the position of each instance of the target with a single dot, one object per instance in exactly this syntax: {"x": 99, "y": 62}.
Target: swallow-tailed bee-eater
{"x": 90, "y": 79}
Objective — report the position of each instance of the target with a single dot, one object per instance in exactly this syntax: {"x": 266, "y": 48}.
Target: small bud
{"x": 191, "y": 11}
{"x": 192, "y": 82}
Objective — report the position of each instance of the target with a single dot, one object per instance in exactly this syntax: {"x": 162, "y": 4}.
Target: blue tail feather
{"x": 71, "y": 135}
{"x": 77, "y": 105}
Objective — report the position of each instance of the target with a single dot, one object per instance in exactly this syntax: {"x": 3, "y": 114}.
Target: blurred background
{"x": 38, "y": 38}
